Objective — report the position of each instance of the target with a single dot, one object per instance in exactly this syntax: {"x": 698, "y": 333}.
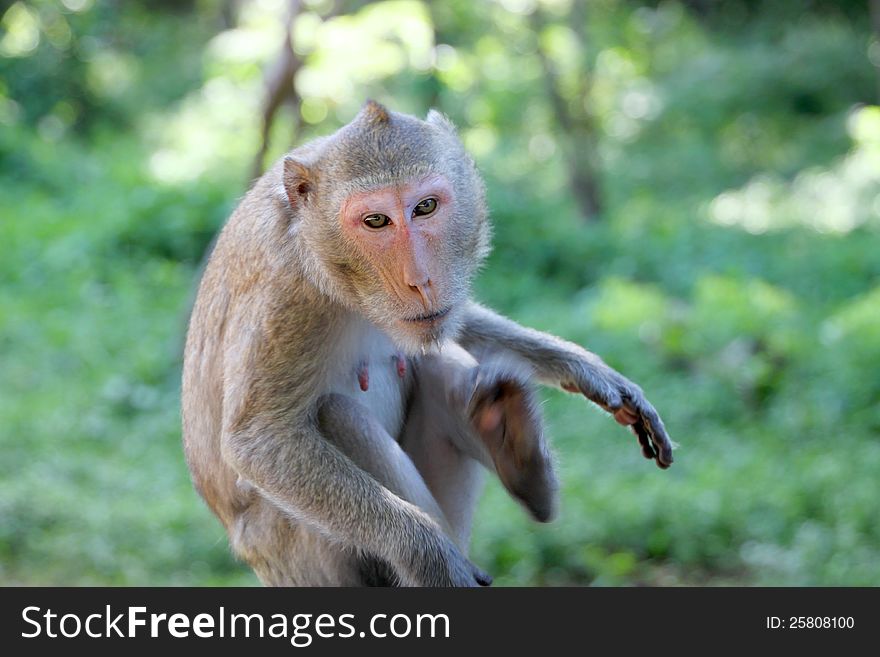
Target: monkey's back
{"x": 233, "y": 267}
{"x": 202, "y": 392}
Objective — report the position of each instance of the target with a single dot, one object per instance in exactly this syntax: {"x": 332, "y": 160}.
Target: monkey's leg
{"x": 454, "y": 477}
{"x": 466, "y": 413}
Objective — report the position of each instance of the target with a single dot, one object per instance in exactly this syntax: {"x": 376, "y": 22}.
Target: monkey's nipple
{"x": 363, "y": 374}
{"x": 400, "y": 363}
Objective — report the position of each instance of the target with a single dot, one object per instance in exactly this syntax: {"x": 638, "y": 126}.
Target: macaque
{"x": 342, "y": 392}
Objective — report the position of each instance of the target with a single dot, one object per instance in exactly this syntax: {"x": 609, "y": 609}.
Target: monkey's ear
{"x": 298, "y": 181}
{"x": 441, "y": 121}
{"x": 374, "y": 113}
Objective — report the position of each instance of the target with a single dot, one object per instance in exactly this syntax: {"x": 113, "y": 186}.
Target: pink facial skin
{"x": 404, "y": 251}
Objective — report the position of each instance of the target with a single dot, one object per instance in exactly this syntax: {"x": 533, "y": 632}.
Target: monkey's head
{"x": 392, "y": 216}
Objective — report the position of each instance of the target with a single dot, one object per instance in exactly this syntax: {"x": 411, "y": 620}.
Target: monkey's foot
{"x": 505, "y": 414}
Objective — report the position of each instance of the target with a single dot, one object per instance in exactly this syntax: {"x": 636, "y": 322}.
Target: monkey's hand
{"x": 437, "y": 562}
{"x": 504, "y": 411}
{"x": 626, "y": 402}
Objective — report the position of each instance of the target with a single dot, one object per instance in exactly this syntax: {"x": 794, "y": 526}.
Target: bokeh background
{"x": 690, "y": 189}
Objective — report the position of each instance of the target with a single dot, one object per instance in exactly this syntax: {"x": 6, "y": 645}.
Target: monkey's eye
{"x": 376, "y": 221}
{"x": 424, "y": 207}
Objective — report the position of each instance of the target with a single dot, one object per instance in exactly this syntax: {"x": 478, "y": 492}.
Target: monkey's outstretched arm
{"x": 566, "y": 365}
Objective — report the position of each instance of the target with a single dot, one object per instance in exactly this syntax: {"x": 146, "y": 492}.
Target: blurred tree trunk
{"x": 433, "y": 84}
{"x": 575, "y": 118}
{"x": 875, "y": 26}
{"x": 278, "y": 79}
{"x": 228, "y": 12}
{"x": 279, "y": 87}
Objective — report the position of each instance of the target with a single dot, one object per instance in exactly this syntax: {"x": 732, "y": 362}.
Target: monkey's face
{"x": 393, "y": 214}
{"x": 412, "y": 256}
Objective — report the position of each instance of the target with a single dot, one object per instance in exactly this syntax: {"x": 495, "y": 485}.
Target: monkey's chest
{"x": 372, "y": 372}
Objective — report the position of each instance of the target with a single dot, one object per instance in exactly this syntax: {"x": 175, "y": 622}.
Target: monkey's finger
{"x": 483, "y": 578}
{"x": 650, "y": 426}
{"x": 609, "y": 399}
{"x": 625, "y": 416}
{"x": 603, "y": 402}
{"x": 657, "y": 432}
{"x": 653, "y": 448}
{"x": 644, "y": 440}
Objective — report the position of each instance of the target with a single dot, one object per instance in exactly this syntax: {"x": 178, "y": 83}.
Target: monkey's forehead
{"x": 392, "y": 165}
{"x": 385, "y": 179}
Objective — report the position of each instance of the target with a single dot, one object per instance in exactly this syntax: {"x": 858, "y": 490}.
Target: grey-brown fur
{"x": 316, "y": 482}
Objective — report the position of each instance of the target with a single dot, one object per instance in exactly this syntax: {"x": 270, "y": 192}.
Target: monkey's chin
{"x": 419, "y": 335}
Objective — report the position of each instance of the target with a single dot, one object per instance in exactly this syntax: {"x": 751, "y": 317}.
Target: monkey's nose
{"x": 424, "y": 291}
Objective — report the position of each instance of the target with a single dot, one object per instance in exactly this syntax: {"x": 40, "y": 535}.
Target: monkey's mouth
{"x": 428, "y": 319}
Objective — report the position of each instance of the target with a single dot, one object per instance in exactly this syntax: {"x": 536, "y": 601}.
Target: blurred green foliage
{"x": 734, "y": 272}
